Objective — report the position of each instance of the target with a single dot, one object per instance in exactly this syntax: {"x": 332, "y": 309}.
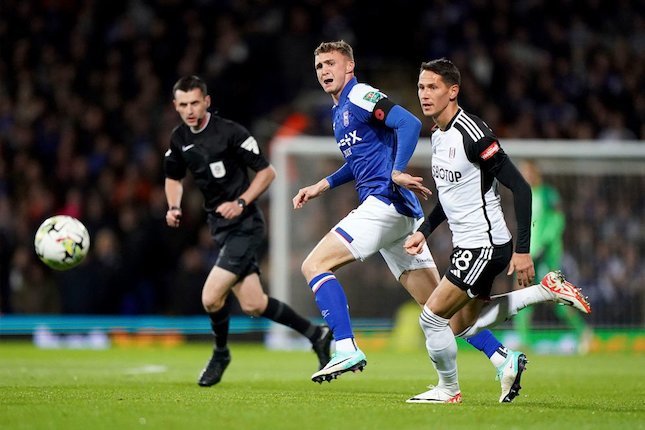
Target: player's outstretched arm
{"x": 412, "y": 183}
{"x": 310, "y": 192}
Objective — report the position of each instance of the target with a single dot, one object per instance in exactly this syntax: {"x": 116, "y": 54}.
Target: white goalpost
{"x": 303, "y": 160}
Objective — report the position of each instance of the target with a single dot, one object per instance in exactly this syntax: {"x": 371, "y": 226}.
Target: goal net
{"x": 602, "y": 187}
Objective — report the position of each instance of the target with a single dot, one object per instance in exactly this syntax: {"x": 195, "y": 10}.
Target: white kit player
{"x": 467, "y": 164}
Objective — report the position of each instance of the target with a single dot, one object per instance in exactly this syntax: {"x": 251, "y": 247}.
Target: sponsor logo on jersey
{"x": 349, "y": 139}
{"x": 187, "y": 147}
{"x": 345, "y": 118}
{"x": 373, "y": 96}
{"x": 446, "y": 174}
{"x": 490, "y": 151}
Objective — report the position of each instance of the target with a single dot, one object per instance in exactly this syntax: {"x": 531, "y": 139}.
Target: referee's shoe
{"x": 322, "y": 345}
{"x": 214, "y": 370}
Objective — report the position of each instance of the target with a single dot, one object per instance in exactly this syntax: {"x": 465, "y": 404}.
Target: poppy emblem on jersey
{"x": 451, "y": 153}
{"x": 346, "y": 118}
{"x": 379, "y": 114}
{"x": 490, "y": 151}
{"x": 217, "y": 169}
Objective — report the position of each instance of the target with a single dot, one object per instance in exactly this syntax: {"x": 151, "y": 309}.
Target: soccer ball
{"x": 62, "y": 242}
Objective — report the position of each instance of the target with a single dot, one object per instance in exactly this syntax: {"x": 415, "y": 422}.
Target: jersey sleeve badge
{"x": 373, "y": 96}
{"x": 492, "y": 149}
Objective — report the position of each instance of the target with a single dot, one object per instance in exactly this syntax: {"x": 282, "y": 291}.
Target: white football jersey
{"x": 467, "y": 192}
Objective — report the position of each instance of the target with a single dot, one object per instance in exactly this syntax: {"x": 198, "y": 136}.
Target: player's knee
{"x": 254, "y": 308}
{"x": 432, "y": 323}
{"x": 309, "y": 268}
{"x": 213, "y": 304}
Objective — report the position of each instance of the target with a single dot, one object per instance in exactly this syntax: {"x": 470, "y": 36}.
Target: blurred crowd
{"x": 86, "y": 114}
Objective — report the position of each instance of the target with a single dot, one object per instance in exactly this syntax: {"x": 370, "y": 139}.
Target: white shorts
{"x": 376, "y": 226}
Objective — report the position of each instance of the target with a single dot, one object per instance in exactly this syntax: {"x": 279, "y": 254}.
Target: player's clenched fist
{"x": 310, "y": 192}
{"x": 414, "y": 243}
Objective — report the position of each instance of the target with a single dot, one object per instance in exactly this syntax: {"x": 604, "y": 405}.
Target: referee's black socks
{"x": 282, "y": 313}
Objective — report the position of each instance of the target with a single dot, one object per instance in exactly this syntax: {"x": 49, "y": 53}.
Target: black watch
{"x": 242, "y": 203}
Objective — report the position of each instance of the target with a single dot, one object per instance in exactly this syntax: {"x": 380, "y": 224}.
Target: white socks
{"x": 505, "y": 306}
{"x": 442, "y": 348}
{"x": 346, "y": 345}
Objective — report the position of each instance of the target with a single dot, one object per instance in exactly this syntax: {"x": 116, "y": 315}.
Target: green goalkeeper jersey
{"x": 547, "y": 229}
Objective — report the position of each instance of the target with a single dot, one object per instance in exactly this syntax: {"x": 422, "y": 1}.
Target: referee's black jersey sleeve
{"x": 247, "y": 148}
{"x": 174, "y": 164}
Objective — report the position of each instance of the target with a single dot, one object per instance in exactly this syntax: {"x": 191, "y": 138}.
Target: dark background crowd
{"x": 86, "y": 114}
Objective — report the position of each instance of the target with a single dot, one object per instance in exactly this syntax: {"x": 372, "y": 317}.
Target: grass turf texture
{"x": 155, "y": 387}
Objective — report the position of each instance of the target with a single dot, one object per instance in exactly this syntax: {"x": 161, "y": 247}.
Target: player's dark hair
{"x": 444, "y": 68}
{"x": 339, "y": 46}
{"x": 189, "y": 83}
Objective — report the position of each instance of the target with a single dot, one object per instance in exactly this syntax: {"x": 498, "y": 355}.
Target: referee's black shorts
{"x": 238, "y": 243}
{"x": 473, "y": 270}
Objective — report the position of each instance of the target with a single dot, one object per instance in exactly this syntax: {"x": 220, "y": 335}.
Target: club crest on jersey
{"x": 345, "y": 118}
{"x": 217, "y": 169}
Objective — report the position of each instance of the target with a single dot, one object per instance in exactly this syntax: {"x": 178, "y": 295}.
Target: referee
{"x": 218, "y": 153}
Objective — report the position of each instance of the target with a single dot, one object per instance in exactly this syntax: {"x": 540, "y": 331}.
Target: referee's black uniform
{"x": 218, "y": 157}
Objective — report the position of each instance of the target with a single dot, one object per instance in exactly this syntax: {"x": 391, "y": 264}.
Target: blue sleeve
{"x": 340, "y": 176}
{"x": 407, "y": 128}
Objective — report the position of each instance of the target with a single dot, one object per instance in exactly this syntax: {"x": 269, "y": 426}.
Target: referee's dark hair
{"x": 188, "y": 83}
{"x": 444, "y": 68}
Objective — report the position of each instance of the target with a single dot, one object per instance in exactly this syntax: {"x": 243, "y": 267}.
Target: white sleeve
{"x": 365, "y": 96}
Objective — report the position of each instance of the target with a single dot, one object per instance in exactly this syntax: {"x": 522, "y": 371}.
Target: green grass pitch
{"x": 155, "y": 388}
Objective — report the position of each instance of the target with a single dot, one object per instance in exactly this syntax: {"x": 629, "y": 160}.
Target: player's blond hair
{"x": 338, "y": 46}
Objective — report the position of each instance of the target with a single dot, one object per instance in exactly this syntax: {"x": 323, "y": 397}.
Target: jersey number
{"x": 462, "y": 259}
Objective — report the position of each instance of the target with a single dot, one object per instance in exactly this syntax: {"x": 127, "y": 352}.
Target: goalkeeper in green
{"x": 546, "y": 249}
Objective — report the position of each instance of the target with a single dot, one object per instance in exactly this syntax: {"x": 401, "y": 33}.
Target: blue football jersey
{"x": 369, "y": 148}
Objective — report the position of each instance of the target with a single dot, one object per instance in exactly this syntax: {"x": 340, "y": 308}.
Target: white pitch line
{"x": 148, "y": 368}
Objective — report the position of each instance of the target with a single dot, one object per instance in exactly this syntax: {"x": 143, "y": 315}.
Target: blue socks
{"x": 332, "y": 302}
{"x": 486, "y": 342}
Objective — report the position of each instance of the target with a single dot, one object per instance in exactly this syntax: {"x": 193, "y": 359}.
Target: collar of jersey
{"x": 208, "y": 119}
{"x": 345, "y": 93}
{"x": 453, "y": 119}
